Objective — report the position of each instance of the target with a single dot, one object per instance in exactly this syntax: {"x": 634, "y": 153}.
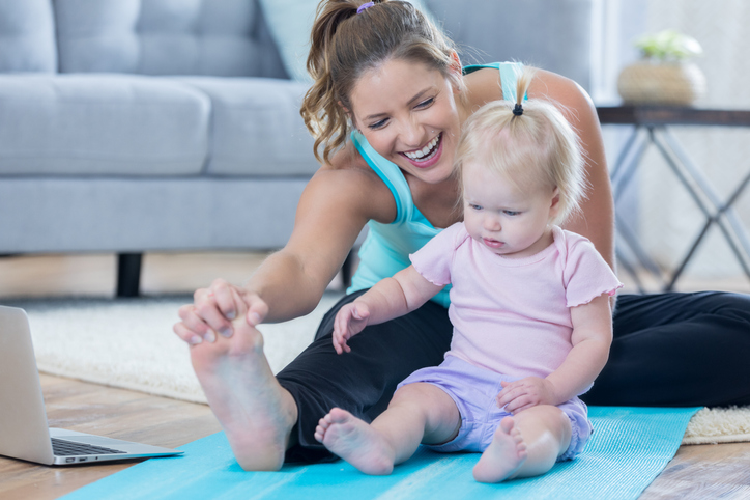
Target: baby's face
{"x": 504, "y": 219}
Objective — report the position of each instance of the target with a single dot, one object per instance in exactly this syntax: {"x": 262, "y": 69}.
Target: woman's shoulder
{"x": 484, "y": 85}
{"x": 348, "y": 177}
{"x": 347, "y": 159}
{"x": 563, "y": 91}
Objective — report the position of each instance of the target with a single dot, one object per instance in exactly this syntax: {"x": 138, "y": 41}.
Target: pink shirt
{"x": 512, "y": 315}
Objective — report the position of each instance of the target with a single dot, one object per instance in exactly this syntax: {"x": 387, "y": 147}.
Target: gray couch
{"x": 129, "y": 126}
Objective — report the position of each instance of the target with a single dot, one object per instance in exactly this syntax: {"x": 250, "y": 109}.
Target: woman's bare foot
{"x": 355, "y": 441}
{"x": 505, "y": 455}
{"x": 257, "y": 414}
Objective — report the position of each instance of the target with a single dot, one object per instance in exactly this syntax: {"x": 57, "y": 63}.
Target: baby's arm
{"x": 591, "y": 338}
{"x": 388, "y": 299}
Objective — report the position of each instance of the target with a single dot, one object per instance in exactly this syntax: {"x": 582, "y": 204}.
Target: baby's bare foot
{"x": 355, "y": 441}
{"x": 257, "y": 414}
{"x": 505, "y": 455}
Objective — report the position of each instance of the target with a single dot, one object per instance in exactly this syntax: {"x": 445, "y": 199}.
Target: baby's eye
{"x": 511, "y": 213}
{"x": 475, "y": 207}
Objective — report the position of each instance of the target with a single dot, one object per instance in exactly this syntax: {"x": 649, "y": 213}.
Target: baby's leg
{"x": 526, "y": 444}
{"x": 418, "y": 413}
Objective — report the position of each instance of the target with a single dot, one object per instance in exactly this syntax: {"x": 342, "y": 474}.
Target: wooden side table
{"x": 651, "y": 125}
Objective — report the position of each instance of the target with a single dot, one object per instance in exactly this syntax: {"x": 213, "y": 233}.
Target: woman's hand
{"x": 526, "y": 393}
{"x": 350, "y": 320}
{"x": 214, "y": 309}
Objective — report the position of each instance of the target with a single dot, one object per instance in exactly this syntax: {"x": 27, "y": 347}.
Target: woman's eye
{"x": 426, "y": 103}
{"x": 377, "y": 125}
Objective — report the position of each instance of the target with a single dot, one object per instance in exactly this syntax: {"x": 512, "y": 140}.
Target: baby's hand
{"x": 526, "y": 393}
{"x": 350, "y": 320}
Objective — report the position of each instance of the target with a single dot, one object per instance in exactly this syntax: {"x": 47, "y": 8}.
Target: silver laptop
{"x": 24, "y": 431}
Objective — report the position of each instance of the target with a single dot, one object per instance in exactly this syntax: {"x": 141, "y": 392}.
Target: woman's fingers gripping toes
{"x": 213, "y": 310}
{"x": 191, "y": 329}
{"x": 217, "y": 306}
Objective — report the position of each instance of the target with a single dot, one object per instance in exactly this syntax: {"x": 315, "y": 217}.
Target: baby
{"x": 529, "y": 305}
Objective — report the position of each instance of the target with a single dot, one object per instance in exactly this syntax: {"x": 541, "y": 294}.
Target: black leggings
{"x": 677, "y": 349}
{"x": 668, "y": 350}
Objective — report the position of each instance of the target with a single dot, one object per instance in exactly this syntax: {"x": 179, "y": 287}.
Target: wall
{"x": 669, "y": 219}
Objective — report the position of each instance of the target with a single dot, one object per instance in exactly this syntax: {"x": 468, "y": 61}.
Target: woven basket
{"x": 666, "y": 83}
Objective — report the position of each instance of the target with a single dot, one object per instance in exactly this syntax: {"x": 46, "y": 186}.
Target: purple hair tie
{"x": 364, "y": 7}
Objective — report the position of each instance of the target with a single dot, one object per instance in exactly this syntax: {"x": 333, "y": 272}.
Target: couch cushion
{"x": 101, "y": 124}
{"x": 165, "y": 37}
{"x": 555, "y": 35}
{"x": 141, "y": 214}
{"x": 27, "y": 32}
{"x": 256, "y": 128}
{"x": 290, "y": 23}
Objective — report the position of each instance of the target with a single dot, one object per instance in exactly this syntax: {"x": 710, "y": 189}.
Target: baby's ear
{"x": 554, "y": 208}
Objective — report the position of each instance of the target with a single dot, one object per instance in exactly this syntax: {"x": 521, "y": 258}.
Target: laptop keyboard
{"x": 61, "y": 447}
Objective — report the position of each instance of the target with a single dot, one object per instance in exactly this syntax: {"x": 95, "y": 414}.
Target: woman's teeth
{"x": 425, "y": 153}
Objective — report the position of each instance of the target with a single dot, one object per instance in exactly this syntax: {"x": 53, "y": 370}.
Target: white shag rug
{"x": 130, "y": 344}
{"x": 719, "y": 425}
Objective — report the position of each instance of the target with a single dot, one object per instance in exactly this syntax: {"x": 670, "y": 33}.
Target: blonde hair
{"x": 345, "y": 44}
{"x": 537, "y": 148}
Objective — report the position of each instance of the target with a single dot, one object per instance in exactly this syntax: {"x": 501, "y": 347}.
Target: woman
{"x": 384, "y": 74}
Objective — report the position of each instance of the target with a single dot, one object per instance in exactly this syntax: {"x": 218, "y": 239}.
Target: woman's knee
{"x": 732, "y": 305}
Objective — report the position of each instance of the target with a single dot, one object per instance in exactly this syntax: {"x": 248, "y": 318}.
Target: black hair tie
{"x": 518, "y": 110}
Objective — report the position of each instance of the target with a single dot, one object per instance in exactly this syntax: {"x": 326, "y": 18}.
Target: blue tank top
{"x": 387, "y": 246}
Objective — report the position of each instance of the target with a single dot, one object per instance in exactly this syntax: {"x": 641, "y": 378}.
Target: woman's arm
{"x": 332, "y": 210}
{"x": 596, "y": 219}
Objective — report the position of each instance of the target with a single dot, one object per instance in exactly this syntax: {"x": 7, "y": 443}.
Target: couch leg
{"x": 128, "y": 274}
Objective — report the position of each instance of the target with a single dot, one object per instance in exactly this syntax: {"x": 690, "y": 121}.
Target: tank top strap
{"x": 393, "y": 178}
{"x": 509, "y": 73}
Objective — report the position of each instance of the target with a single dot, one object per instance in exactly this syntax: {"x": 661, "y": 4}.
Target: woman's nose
{"x": 412, "y": 134}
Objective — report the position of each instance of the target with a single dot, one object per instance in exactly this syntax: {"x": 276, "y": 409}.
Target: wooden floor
{"x": 105, "y": 411}
{"x": 696, "y": 472}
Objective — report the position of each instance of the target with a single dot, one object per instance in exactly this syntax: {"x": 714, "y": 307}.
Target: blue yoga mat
{"x": 629, "y": 448}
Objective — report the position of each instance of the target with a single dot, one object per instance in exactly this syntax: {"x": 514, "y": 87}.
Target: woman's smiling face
{"x": 408, "y": 112}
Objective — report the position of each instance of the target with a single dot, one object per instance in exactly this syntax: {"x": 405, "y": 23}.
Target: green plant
{"x": 668, "y": 45}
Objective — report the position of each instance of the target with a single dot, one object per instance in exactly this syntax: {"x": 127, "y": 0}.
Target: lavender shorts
{"x": 474, "y": 390}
